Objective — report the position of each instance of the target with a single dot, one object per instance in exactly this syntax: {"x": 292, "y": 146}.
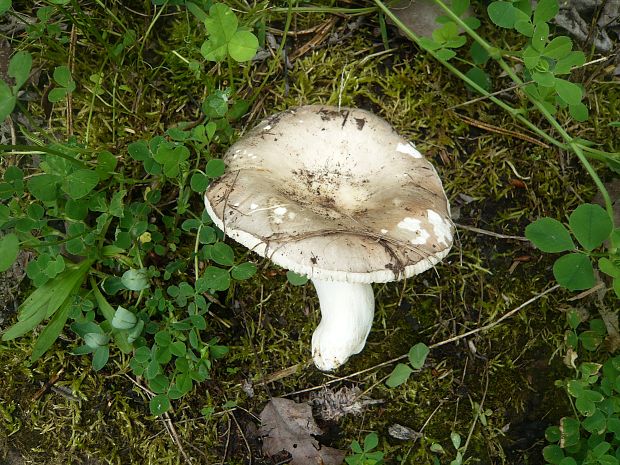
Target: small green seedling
{"x": 365, "y": 455}
{"x": 402, "y": 371}
{"x": 455, "y": 438}
{"x": 66, "y": 84}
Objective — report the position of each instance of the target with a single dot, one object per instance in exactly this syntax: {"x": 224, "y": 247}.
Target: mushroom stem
{"x": 347, "y": 310}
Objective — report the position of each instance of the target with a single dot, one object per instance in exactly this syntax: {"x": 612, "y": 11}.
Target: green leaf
{"x": 178, "y": 348}
{"x": 456, "y": 439}
{"x": 524, "y": 27}
{"x": 568, "y": 461}
{"x": 171, "y": 156}
{"x": 221, "y": 22}
{"x": 62, "y": 76}
{"x": 9, "y": 248}
{"x": 216, "y": 278}
{"x": 199, "y": 182}
{"x": 51, "y": 332}
{"x": 222, "y": 254}
{"x": 479, "y": 77}
{"x": 445, "y": 54}
{"x": 608, "y": 267}
{"x": 553, "y": 454}
{"x": 54, "y": 293}
{"x": 585, "y": 406}
{"x": 539, "y": 37}
{"x": 504, "y": 14}
{"x": 428, "y": 44}
{"x": 296, "y": 279}
{"x": 57, "y": 94}
{"x": 558, "y": 48}
{"x": 159, "y": 404}
{"x": 44, "y": 186}
{"x": 399, "y": 375}
{"x": 135, "y": 280}
{"x": 564, "y": 65}
{"x": 545, "y": 11}
{"x": 579, "y": 111}
{"x": 243, "y": 271}
{"x": 591, "y": 225}
{"x": 5, "y": 5}
{"x": 95, "y": 340}
{"x": 214, "y": 50}
{"x": 549, "y": 235}
{"x": 124, "y": 319}
{"x": 7, "y": 100}
{"x": 4, "y": 214}
{"x": 574, "y": 272}
{"x": 159, "y": 384}
{"x": 19, "y": 69}
{"x": 106, "y": 164}
{"x": 553, "y": 434}
{"x": 590, "y": 340}
{"x": 139, "y": 150}
{"x": 459, "y": 7}
{"x": 243, "y": 46}
{"x": 418, "y": 354}
{"x": 215, "y": 168}
{"x": 478, "y": 53}
{"x": 196, "y": 11}
{"x": 370, "y": 442}
{"x": 569, "y": 92}
{"x": 596, "y": 423}
{"x": 531, "y": 57}
{"x": 100, "y": 357}
{"x": 546, "y": 79}
{"x": 79, "y": 183}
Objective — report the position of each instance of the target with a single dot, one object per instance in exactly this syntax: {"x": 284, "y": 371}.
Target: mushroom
{"x": 339, "y": 196}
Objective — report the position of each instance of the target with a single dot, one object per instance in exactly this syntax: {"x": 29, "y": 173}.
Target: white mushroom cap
{"x": 336, "y": 195}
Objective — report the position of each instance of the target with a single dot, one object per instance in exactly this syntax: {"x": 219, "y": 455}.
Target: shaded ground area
{"x": 494, "y": 388}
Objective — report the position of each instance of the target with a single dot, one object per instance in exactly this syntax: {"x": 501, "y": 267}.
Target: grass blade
{"x": 51, "y": 331}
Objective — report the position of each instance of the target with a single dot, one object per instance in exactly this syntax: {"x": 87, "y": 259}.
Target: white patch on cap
{"x": 236, "y": 204}
{"x": 267, "y": 128}
{"x": 278, "y": 213}
{"x": 384, "y": 231}
{"x": 441, "y": 227}
{"x": 413, "y": 225}
{"x": 253, "y": 206}
{"x": 409, "y": 149}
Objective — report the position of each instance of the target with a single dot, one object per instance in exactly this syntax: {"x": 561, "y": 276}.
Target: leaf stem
{"x": 7, "y": 149}
{"x": 512, "y": 111}
{"x": 569, "y": 143}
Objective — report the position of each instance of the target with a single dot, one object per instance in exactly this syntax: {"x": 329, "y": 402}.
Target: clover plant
{"x": 592, "y": 435}
{"x": 591, "y": 226}
{"x": 366, "y": 455}
{"x": 113, "y": 260}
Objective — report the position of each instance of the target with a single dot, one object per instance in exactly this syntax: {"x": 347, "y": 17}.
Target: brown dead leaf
{"x": 289, "y": 426}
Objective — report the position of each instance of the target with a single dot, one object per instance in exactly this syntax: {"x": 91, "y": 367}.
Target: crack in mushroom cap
{"x": 336, "y": 195}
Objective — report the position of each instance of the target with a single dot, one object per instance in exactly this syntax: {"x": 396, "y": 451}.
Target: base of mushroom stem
{"x": 347, "y": 310}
